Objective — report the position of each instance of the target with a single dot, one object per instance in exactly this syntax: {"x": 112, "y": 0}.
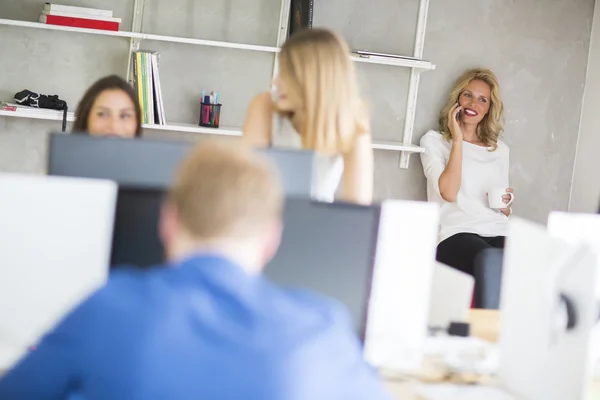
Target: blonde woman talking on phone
{"x": 315, "y": 105}
{"x": 467, "y": 166}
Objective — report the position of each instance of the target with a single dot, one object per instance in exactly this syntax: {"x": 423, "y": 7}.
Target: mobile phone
{"x": 458, "y": 114}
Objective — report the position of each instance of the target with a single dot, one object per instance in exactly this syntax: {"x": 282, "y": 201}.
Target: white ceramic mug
{"x": 495, "y": 198}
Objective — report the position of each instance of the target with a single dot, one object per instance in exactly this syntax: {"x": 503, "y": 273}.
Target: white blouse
{"x": 482, "y": 170}
{"x": 328, "y": 170}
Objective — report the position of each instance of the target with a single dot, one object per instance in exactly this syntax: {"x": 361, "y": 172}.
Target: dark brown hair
{"x": 112, "y": 82}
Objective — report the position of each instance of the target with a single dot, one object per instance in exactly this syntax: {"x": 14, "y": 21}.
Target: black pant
{"x": 459, "y": 251}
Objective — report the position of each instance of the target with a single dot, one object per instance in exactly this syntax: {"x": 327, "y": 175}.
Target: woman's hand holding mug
{"x": 501, "y": 199}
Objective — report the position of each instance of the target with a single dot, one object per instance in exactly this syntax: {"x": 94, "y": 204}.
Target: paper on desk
{"x": 464, "y": 354}
{"x": 448, "y": 391}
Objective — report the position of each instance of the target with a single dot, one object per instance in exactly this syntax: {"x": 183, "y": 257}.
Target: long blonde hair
{"x": 320, "y": 77}
{"x": 490, "y": 127}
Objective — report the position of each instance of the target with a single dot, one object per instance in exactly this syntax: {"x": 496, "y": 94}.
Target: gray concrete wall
{"x": 538, "y": 50}
{"x": 585, "y": 191}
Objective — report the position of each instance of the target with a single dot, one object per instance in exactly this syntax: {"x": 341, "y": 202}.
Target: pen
{"x": 206, "y": 110}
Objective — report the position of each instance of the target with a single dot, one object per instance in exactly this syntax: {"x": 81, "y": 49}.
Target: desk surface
{"x": 485, "y": 324}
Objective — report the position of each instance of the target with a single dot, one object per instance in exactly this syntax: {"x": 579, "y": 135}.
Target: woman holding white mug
{"x": 467, "y": 166}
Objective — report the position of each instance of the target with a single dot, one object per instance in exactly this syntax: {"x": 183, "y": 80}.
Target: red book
{"x": 79, "y": 22}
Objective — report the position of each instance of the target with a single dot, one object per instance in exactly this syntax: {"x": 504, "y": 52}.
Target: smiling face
{"x": 113, "y": 114}
{"x": 475, "y": 100}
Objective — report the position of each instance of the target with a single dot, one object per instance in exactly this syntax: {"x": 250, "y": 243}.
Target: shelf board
{"x": 47, "y": 115}
{"x": 397, "y": 146}
{"x": 191, "y": 128}
{"x": 39, "y": 25}
{"x": 51, "y": 115}
{"x": 396, "y": 62}
{"x": 230, "y": 131}
{"x": 139, "y": 36}
{"x": 202, "y": 42}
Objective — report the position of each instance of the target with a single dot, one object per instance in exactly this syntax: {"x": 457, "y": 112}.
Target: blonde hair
{"x": 319, "y": 76}
{"x": 490, "y": 127}
{"x": 224, "y": 189}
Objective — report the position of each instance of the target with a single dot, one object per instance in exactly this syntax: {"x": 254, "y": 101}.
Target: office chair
{"x": 488, "y": 278}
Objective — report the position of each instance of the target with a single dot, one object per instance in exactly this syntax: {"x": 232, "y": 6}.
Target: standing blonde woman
{"x": 316, "y": 106}
{"x": 462, "y": 162}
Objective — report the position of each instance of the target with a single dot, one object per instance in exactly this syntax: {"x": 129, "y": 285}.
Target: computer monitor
{"x": 136, "y": 240}
{"x": 149, "y": 163}
{"x": 329, "y": 248}
{"x": 376, "y": 260}
{"x": 326, "y": 247}
{"x": 577, "y": 228}
{"x": 55, "y": 236}
{"x": 546, "y": 344}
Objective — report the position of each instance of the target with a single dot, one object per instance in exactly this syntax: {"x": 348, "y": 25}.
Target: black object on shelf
{"x": 301, "y": 15}
{"x": 210, "y": 115}
{"x": 36, "y": 100}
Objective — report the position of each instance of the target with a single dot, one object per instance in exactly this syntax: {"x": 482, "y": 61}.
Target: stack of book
{"x": 146, "y": 82}
{"x": 79, "y": 17}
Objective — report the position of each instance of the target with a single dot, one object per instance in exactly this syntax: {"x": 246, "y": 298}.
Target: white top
{"x": 482, "y": 170}
{"x": 328, "y": 169}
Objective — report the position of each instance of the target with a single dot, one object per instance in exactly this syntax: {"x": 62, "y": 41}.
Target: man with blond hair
{"x": 208, "y": 326}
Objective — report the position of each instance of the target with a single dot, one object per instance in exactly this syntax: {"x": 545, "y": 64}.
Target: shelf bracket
{"x": 282, "y": 32}
{"x": 136, "y": 26}
{"x": 413, "y": 86}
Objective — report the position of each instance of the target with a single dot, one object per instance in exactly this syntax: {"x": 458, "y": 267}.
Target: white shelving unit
{"x": 408, "y": 63}
{"x": 135, "y": 36}
{"x": 49, "y": 115}
{"x": 191, "y": 128}
{"x": 397, "y": 62}
{"x": 140, "y": 36}
{"x": 413, "y": 85}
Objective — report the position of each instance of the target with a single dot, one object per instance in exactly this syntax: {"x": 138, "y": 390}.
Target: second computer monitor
{"x": 149, "y": 163}
{"x": 328, "y": 248}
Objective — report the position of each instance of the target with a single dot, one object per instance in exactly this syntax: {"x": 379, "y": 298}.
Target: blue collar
{"x": 216, "y": 267}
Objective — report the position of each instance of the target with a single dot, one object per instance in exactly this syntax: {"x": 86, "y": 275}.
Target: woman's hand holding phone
{"x": 453, "y": 122}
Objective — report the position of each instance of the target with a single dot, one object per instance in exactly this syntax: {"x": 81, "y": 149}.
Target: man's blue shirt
{"x": 201, "y": 329}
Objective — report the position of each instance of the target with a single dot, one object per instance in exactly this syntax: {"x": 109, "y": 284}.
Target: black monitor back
{"x": 136, "y": 240}
{"x": 149, "y": 163}
{"x": 327, "y": 248}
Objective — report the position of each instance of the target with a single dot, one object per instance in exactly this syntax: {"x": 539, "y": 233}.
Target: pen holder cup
{"x": 210, "y": 115}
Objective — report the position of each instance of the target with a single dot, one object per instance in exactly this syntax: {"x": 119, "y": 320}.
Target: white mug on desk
{"x": 495, "y": 198}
